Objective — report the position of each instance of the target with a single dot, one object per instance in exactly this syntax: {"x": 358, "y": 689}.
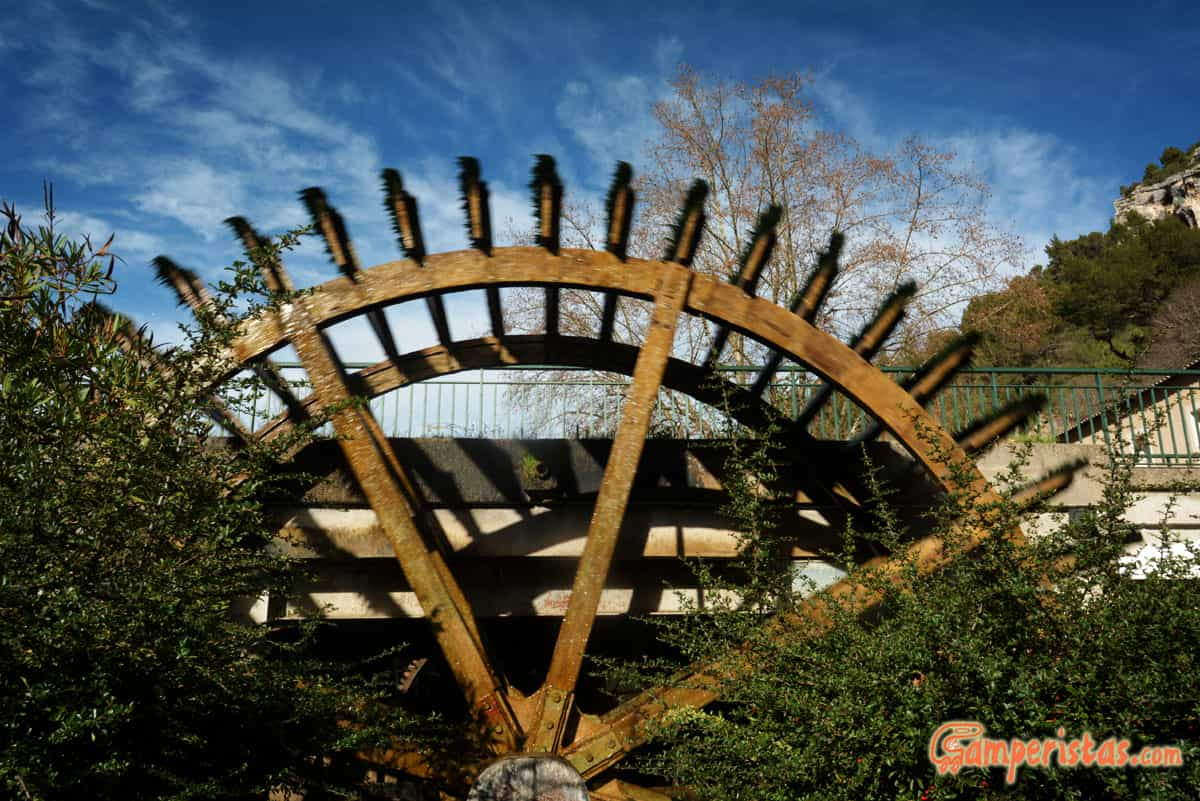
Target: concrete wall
{"x": 514, "y": 536}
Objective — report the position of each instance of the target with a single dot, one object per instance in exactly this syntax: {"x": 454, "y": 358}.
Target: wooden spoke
{"x": 270, "y": 376}
{"x": 608, "y": 316}
{"x": 685, "y": 237}
{"x": 437, "y": 313}
{"x": 382, "y": 480}
{"x": 479, "y": 230}
{"x": 552, "y": 311}
{"x": 385, "y": 484}
{"x": 932, "y": 376}
{"x": 866, "y": 344}
{"x": 228, "y": 421}
{"x": 619, "y": 207}
{"x": 276, "y": 280}
{"x": 547, "y": 209}
{"x": 495, "y": 312}
{"x": 189, "y": 289}
{"x": 941, "y": 368}
{"x": 609, "y": 511}
{"x": 402, "y": 207}
{"x": 890, "y": 314}
{"x": 406, "y": 222}
{"x": 983, "y": 432}
{"x": 624, "y": 729}
{"x": 195, "y": 295}
{"x": 134, "y": 343}
{"x": 332, "y": 228}
{"x": 192, "y": 293}
{"x": 808, "y": 301}
{"x": 620, "y": 216}
{"x": 806, "y": 304}
{"x": 475, "y": 204}
{"x": 1048, "y": 485}
{"x": 754, "y": 259}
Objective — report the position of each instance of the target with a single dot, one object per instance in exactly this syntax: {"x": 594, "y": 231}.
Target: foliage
{"x": 1096, "y": 301}
{"x": 1171, "y": 161}
{"x": 126, "y": 543}
{"x": 1103, "y": 299}
{"x": 1018, "y": 324}
{"x": 909, "y": 213}
{"x": 1016, "y": 636}
{"x": 1107, "y": 282}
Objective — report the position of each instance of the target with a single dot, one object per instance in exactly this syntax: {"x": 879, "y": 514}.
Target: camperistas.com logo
{"x": 959, "y": 744}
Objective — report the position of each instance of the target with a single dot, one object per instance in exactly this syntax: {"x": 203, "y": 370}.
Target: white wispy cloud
{"x": 194, "y": 137}
{"x": 1038, "y": 186}
{"x": 196, "y": 194}
{"x": 130, "y": 244}
{"x": 608, "y": 117}
{"x": 611, "y": 115}
{"x": 206, "y": 137}
{"x": 847, "y": 111}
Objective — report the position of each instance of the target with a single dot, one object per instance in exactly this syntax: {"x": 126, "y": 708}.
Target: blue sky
{"x": 157, "y": 120}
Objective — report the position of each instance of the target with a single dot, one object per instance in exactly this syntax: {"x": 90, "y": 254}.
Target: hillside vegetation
{"x": 1119, "y": 298}
{"x": 1171, "y": 161}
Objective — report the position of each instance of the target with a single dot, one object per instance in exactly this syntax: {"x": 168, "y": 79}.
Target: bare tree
{"x": 911, "y": 214}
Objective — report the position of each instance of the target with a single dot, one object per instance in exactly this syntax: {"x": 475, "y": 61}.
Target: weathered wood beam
{"x": 406, "y": 222}
{"x": 389, "y": 491}
{"x": 806, "y": 304}
{"x": 619, "y": 206}
{"x": 866, "y": 344}
{"x": 754, "y": 259}
{"x": 479, "y": 230}
{"x": 547, "y": 192}
{"x": 332, "y": 228}
{"x": 931, "y": 377}
{"x": 609, "y": 511}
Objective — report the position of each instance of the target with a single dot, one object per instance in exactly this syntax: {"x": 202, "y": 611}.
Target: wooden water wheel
{"x": 548, "y": 722}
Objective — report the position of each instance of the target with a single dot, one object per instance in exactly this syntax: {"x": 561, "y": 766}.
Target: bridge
{"x": 513, "y": 508}
{"x": 1153, "y": 415}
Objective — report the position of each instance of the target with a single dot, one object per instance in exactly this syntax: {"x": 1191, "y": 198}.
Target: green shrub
{"x": 125, "y": 542}
{"x": 1012, "y": 636}
{"x": 1171, "y": 161}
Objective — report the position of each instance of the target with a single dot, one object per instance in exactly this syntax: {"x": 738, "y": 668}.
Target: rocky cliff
{"x": 1177, "y": 194}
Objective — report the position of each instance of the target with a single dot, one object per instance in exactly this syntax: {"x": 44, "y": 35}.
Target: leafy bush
{"x": 1032, "y": 640}
{"x": 1108, "y": 282}
{"x": 1095, "y": 303}
{"x": 126, "y": 539}
{"x": 1171, "y": 161}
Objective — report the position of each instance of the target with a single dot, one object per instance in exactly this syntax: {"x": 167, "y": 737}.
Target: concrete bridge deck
{"x": 512, "y": 516}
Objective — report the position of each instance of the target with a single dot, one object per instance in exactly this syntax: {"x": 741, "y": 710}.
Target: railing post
{"x": 1075, "y": 409}
{"x": 795, "y": 400}
{"x": 1103, "y": 411}
{"x": 839, "y": 419}
{"x": 1166, "y": 415}
{"x": 254, "y": 405}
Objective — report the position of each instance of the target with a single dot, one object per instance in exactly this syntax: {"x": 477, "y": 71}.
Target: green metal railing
{"x": 1152, "y": 415}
